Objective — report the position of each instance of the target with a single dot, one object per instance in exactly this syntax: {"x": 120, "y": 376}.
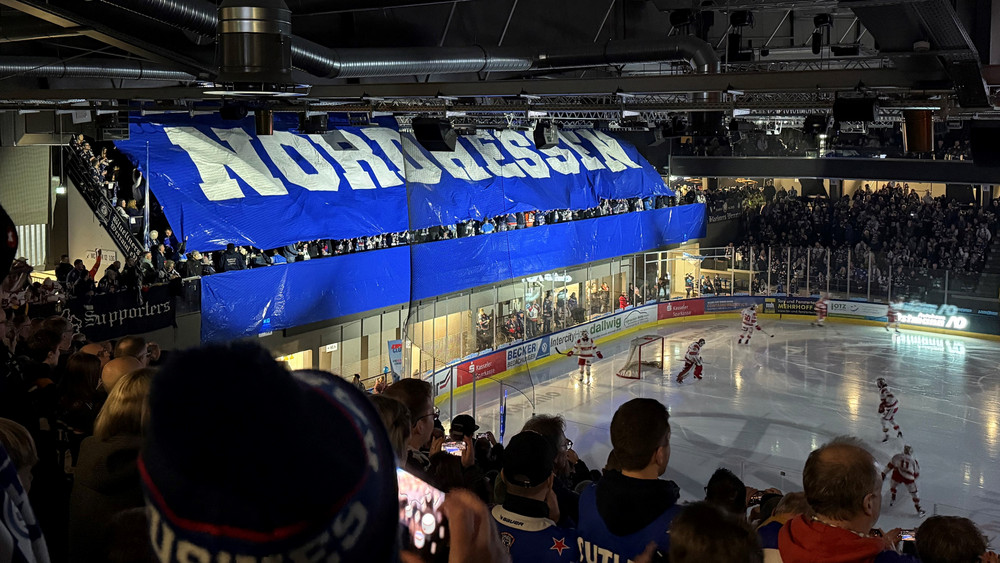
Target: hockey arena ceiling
{"x": 497, "y": 60}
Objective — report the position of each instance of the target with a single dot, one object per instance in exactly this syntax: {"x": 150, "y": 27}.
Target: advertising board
{"x": 789, "y": 305}
{"x": 677, "y": 309}
{"x": 858, "y": 309}
{"x": 729, "y": 304}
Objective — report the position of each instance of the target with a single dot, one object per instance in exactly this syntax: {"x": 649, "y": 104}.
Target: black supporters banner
{"x": 114, "y": 315}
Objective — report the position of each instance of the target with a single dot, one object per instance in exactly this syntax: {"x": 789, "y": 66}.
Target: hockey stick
{"x": 767, "y": 333}
{"x": 560, "y": 352}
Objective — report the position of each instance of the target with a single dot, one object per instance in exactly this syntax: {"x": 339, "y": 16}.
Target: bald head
{"x": 116, "y": 369}
{"x": 839, "y": 478}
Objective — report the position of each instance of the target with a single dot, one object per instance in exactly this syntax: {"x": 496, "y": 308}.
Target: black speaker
{"x": 855, "y": 109}
{"x": 984, "y": 136}
{"x": 435, "y": 134}
{"x": 546, "y": 135}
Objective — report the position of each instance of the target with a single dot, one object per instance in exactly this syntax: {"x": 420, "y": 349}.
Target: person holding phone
{"x": 243, "y": 460}
{"x": 527, "y": 518}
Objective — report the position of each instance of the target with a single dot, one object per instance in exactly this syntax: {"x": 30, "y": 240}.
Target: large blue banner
{"x": 245, "y": 303}
{"x": 218, "y": 182}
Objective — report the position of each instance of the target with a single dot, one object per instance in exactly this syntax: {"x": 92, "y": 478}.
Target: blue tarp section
{"x": 245, "y": 303}
{"x": 248, "y": 302}
{"x": 219, "y": 183}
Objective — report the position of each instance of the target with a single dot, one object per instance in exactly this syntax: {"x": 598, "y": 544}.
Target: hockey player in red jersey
{"x": 692, "y": 359}
{"x": 820, "y": 307}
{"x": 585, "y": 349}
{"x": 905, "y": 470}
{"x": 892, "y": 317}
{"x": 749, "y": 323}
{"x": 888, "y": 406}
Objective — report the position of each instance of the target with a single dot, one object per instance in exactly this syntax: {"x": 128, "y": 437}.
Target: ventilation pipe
{"x": 52, "y": 67}
{"x": 200, "y": 17}
{"x": 254, "y": 45}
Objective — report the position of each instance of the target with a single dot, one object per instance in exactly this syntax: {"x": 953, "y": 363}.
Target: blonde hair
{"x": 126, "y": 408}
{"x": 396, "y": 418}
{"x": 19, "y": 445}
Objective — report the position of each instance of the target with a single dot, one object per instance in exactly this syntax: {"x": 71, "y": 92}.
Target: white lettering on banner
{"x": 358, "y": 177}
{"x": 460, "y": 164}
{"x": 561, "y": 160}
{"x": 485, "y": 144}
{"x": 215, "y": 161}
{"x": 574, "y": 143}
{"x": 418, "y": 168}
{"x": 308, "y": 161}
{"x": 517, "y": 145}
{"x": 613, "y": 153}
{"x": 325, "y": 179}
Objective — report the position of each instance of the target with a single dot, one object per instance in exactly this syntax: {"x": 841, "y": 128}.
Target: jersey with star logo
{"x": 533, "y": 539}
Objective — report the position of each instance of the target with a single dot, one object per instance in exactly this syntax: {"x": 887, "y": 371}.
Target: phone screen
{"x": 420, "y": 517}
{"x": 908, "y": 535}
{"x": 454, "y": 448}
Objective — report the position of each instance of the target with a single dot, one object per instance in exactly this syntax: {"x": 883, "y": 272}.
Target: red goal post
{"x": 645, "y": 354}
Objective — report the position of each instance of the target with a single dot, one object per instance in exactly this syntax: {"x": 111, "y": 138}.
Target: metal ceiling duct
{"x": 52, "y": 67}
{"x": 254, "y": 45}
{"x": 200, "y": 17}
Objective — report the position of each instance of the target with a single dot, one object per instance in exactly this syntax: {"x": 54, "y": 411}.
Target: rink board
{"x": 491, "y": 368}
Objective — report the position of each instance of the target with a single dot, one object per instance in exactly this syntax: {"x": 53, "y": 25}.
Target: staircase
{"x": 94, "y": 195}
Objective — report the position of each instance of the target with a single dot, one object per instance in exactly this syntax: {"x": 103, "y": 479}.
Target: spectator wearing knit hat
{"x": 243, "y": 460}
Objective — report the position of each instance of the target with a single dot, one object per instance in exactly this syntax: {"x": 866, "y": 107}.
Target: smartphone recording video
{"x": 454, "y": 448}
{"x": 908, "y": 535}
{"x": 423, "y": 525}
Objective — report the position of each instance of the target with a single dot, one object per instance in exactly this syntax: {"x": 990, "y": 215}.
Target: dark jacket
{"x": 627, "y": 504}
{"x": 105, "y": 483}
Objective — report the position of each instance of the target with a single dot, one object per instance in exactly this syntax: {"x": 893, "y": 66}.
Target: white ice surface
{"x": 761, "y": 409}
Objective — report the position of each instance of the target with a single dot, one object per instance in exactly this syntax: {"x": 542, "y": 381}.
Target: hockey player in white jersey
{"x": 820, "y": 307}
{"x": 887, "y": 408}
{"x": 692, "y": 359}
{"x": 585, "y": 349}
{"x": 892, "y": 318}
{"x": 905, "y": 470}
{"x": 749, "y": 323}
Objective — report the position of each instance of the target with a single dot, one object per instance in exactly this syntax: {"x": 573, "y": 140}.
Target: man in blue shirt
{"x": 526, "y": 520}
{"x": 631, "y": 506}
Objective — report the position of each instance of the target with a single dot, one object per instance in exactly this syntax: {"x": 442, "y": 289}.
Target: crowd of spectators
{"x": 129, "y": 455}
{"x": 908, "y": 237}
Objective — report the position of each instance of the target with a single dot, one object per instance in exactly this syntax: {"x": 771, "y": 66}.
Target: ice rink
{"x": 761, "y": 409}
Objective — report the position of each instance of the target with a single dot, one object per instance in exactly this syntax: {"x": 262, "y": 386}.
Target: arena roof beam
{"x": 108, "y": 34}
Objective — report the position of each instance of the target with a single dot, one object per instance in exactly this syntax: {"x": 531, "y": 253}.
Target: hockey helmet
{"x": 908, "y": 449}
{"x": 753, "y": 307}
{"x": 585, "y": 335}
{"x": 701, "y": 342}
{"x": 881, "y": 382}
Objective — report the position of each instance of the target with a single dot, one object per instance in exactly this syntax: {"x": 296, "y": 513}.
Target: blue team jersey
{"x": 597, "y": 544}
{"x": 531, "y": 539}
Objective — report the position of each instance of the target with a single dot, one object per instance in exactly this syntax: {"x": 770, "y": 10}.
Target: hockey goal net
{"x": 645, "y": 356}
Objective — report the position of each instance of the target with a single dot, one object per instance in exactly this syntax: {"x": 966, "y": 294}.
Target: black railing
{"x": 116, "y": 225}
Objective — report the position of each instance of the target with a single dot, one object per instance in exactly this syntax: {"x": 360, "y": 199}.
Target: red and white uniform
{"x": 820, "y": 307}
{"x": 692, "y": 359}
{"x": 749, "y": 323}
{"x": 892, "y": 318}
{"x": 905, "y": 470}
{"x": 888, "y": 407}
{"x": 585, "y": 349}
